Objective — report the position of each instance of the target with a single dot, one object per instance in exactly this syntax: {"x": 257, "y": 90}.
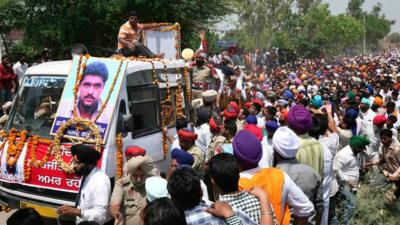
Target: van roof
{"x": 62, "y": 67}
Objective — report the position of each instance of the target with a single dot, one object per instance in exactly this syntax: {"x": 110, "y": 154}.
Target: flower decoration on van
{"x": 76, "y": 121}
{"x": 187, "y": 84}
{"x": 33, "y": 143}
{"x": 178, "y": 95}
{"x": 14, "y": 148}
{"x": 119, "y": 144}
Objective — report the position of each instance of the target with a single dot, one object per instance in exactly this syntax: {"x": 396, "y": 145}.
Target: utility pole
{"x": 365, "y": 31}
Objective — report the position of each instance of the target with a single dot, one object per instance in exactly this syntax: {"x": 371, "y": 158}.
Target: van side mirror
{"x": 128, "y": 122}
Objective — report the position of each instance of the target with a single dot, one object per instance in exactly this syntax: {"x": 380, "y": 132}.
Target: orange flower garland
{"x": 178, "y": 96}
{"x": 34, "y": 143}
{"x": 187, "y": 84}
{"x": 14, "y": 148}
{"x": 120, "y": 162}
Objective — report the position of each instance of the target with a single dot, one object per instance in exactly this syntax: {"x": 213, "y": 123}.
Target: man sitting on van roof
{"x": 130, "y": 37}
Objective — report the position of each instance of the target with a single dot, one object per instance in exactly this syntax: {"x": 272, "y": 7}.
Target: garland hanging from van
{"x": 178, "y": 96}
{"x": 187, "y": 84}
{"x": 119, "y": 150}
{"x": 93, "y": 131}
{"x": 14, "y": 147}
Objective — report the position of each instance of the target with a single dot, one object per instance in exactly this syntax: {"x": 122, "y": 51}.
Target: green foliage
{"x": 377, "y": 26}
{"x": 374, "y": 208}
{"x": 309, "y": 27}
{"x": 95, "y": 23}
{"x": 394, "y": 38}
{"x": 354, "y": 9}
{"x": 12, "y": 17}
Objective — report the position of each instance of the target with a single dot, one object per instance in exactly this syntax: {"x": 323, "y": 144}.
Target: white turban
{"x": 285, "y": 142}
{"x": 156, "y": 187}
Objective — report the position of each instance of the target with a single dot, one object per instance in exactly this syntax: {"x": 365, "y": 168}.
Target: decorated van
{"x": 108, "y": 103}
{"x": 35, "y": 157}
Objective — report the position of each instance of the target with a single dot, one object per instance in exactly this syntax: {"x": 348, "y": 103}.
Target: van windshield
{"x": 36, "y": 104}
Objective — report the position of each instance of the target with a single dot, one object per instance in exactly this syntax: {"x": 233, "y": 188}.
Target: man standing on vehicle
{"x": 130, "y": 37}
{"x": 94, "y": 191}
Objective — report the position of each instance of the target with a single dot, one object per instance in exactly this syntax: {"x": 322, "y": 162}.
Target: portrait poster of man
{"x": 92, "y": 91}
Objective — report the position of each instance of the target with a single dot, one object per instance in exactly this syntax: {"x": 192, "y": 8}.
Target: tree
{"x": 12, "y": 17}
{"x": 377, "y": 26}
{"x": 95, "y": 23}
{"x": 394, "y": 38}
{"x": 304, "y": 5}
{"x": 260, "y": 20}
{"x": 354, "y": 9}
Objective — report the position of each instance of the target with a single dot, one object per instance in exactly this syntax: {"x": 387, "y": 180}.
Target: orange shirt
{"x": 129, "y": 34}
{"x": 271, "y": 180}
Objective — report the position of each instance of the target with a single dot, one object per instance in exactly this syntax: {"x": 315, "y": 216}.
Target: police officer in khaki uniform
{"x": 202, "y": 78}
{"x": 129, "y": 195}
{"x": 207, "y": 102}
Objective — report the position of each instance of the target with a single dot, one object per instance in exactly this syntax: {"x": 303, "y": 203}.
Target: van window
{"x": 169, "y": 108}
{"x": 120, "y": 121}
{"x": 143, "y": 105}
{"x": 36, "y": 104}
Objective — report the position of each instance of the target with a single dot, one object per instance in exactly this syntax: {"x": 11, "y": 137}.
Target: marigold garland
{"x": 187, "y": 84}
{"x": 178, "y": 96}
{"x": 67, "y": 166}
{"x": 119, "y": 144}
{"x": 14, "y": 147}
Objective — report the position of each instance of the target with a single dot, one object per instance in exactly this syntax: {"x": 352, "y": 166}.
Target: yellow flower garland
{"x": 119, "y": 153}
{"x": 178, "y": 96}
{"x": 187, "y": 84}
{"x": 67, "y": 167}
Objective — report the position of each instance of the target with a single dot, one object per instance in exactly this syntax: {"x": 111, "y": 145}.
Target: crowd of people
{"x": 270, "y": 143}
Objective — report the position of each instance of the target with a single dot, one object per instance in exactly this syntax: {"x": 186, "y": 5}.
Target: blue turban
{"x": 370, "y": 89}
{"x": 288, "y": 94}
{"x": 251, "y": 119}
{"x": 182, "y": 157}
{"x": 96, "y": 68}
{"x": 271, "y": 125}
{"x": 351, "y": 113}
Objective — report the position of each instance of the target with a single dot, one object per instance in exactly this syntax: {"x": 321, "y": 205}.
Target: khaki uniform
{"x": 215, "y": 146}
{"x": 198, "y": 103}
{"x": 198, "y": 156}
{"x": 201, "y": 80}
{"x": 131, "y": 199}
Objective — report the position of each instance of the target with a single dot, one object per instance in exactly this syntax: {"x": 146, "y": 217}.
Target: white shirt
{"x": 94, "y": 198}
{"x": 369, "y": 131}
{"x": 175, "y": 144}
{"x": 299, "y": 203}
{"x": 327, "y": 181}
{"x": 204, "y": 137}
{"x": 346, "y": 165}
{"x": 20, "y": 69}
{"x": 331, "y": 142}
{"x": 267, "y": 154}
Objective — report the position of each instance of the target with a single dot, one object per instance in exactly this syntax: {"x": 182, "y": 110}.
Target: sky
{"x": 389, "y": 7}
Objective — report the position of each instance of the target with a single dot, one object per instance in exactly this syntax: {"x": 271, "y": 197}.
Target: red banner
{"x": 51, "y": 175}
